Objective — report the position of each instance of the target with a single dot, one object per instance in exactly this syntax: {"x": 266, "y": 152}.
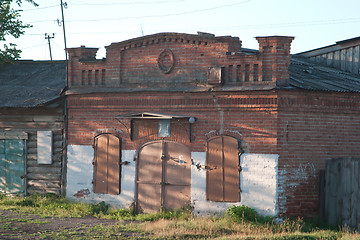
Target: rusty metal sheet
{"x": 214, "y": 162}
{"x": 231, "y": 172}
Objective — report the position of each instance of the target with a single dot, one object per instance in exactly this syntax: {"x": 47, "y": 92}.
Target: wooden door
{"x": 222, "y": 174}
{"x": 107, "y": 164}
{"x": 12, "y": 166}
{"x": 163, "y": 176}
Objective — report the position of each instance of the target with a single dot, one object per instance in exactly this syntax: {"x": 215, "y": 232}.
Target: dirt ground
{"x": 25, "y": 226}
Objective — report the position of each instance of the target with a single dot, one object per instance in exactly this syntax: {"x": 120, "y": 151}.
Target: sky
{"x": 313, "y": 23}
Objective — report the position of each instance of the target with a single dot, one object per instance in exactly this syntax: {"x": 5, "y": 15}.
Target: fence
{"x": 341, "y": 193}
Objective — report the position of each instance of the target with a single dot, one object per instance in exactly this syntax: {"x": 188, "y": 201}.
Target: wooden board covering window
{"x": 107, "y": 167}
{"x": 222, "y": 174}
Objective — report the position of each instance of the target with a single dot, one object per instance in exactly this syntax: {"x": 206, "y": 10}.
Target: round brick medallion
{"x": 166, "y": 61}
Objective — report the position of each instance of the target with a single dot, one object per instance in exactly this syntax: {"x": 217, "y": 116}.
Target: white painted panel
{"x": 44, "y": 147}
{"x": 80, "y": 176}
{"x": 258, "y": 180}
{"x": 199, "y": 203}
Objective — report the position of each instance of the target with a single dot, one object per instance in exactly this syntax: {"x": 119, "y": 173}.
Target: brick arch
{"x": 116, "y": 132}
{"x": 231, "y": 133}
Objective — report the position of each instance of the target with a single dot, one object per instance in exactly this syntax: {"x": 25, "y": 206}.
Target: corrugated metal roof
{"x": 31, "y": 83}
{"x": 313, "y": 76}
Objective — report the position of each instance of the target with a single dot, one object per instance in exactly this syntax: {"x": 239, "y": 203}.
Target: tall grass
{"x": 239, "y": 222}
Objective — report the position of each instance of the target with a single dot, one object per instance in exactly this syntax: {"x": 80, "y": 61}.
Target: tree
{"x": 11, "y": 25}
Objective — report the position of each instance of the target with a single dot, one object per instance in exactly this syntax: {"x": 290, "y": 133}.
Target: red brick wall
{"x": 307, "y": 129}
{"x": 134, "y": 62}
{"x": 313, "y": 127}
{"x": 251, "y": 117}
{"x": 304, "y": 128}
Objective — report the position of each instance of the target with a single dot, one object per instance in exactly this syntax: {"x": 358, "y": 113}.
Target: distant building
{"x": 343, "y": 55}
{"x": 32, "y": 137}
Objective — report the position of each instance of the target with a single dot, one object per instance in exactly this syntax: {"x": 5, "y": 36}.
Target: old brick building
{"x": 170, "y": 120}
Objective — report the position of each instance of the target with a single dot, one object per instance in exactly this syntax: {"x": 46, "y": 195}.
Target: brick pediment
{"x": 178, "y": 39}
{"x": 175, "y": 60}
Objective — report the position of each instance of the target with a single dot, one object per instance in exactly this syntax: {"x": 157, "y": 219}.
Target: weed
{"x": 239, "y": 222}
{"x": 100, "y": 208}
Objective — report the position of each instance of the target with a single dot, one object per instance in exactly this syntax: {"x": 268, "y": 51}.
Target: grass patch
{"x": 239, "y": 222}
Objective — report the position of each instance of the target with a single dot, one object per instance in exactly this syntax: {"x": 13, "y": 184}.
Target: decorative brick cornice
{"x": 180, "y": 38}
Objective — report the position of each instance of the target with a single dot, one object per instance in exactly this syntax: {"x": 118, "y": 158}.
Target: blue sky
{"x": 313, "y": 23}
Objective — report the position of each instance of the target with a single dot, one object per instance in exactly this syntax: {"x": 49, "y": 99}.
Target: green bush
{"x": 247, "y": 214}
{"x": 100, "y": 208}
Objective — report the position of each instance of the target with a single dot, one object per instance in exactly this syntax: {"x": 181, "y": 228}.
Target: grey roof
{"x": 31, "y": 83}
{"x": 36, "y": 83}
{"x": 308, "y": 75}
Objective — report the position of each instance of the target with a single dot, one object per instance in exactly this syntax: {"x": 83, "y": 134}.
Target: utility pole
{"x": 63, "y": 24}
{"x": 48, "y": 37}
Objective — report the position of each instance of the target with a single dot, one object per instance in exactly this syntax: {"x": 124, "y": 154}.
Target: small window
{"x": 164, "y": 128}
{"x": 107, "y": 164}
{"x": 44, "y": 147}
{"x": 222, "y": 169}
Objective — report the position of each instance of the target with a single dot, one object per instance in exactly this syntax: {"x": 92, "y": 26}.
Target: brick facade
{"x": 168, "y": 73}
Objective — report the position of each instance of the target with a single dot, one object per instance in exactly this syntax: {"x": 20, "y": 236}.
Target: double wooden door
{"x": 163, "y": 176}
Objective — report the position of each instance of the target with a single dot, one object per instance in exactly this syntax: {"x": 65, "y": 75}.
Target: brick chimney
{"x": 275, "y": 56}
{"x": 82, "y": 52}
{"x": 74, "y": 64}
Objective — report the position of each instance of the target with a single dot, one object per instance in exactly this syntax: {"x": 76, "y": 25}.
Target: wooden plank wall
{"x": 40, "y": 178}
{"x": 342, "y": 195}
{"x": 44, "y": 178}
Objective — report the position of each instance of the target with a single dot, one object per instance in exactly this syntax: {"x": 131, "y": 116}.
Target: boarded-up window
{"x": 107, "y": 165}
{"x": 222, "y": 174}
{"x": 44, "y": 147}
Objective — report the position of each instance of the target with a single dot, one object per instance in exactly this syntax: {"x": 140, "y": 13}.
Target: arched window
{"x": 222, "y": 169}
{"x": 107, "y": 164}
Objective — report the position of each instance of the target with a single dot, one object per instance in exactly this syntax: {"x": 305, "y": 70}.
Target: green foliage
{"x": 245, "y": 213}
{"x": 239, "y": 222}
{"x": 11, "y": 25}
{"x": 183, "y": 214}
{"x": 100, "y": 208}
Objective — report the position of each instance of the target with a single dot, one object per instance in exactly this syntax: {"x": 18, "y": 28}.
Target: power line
{"x": 37, "y": 8}
{"x": 126, "y": 3}
{"x": 163, "y": 15}
{"x": 151, "y": 16}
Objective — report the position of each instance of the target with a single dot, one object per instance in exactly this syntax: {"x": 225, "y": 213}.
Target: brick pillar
{"x": 275, "y": 55}
{"x": 76, "y": 54}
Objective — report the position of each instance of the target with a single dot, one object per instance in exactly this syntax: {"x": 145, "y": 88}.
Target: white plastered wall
{"x": 258, "y": 182}
{"x": 80, "y": 175}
